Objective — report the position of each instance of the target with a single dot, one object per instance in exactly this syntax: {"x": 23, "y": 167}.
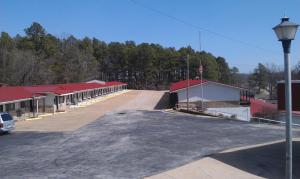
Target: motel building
{"x": 210, "y": 97}
{"x": 30, "y": 101}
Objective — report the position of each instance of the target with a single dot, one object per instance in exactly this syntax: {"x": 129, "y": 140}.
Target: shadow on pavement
{"x": 163, "y": 102}
{"x": 18, "y": 140}
{"x": 266, "y": 161}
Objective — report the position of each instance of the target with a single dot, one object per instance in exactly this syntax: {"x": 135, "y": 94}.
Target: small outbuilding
{"x": 211, "y": 97}
{"x": 212, "y": 94}
{"x": 295, "y": 95}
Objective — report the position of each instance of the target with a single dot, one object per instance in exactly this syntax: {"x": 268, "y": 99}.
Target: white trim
{"x": 20, "y": 100}
{"x": 63, "y": 94}
{"x": 190, "y": 86}
{"x": 231, "y": 86}
{"x": 47, "y": 92}
{"x": 293, "y": 81}
{"x": 88, "y": 90}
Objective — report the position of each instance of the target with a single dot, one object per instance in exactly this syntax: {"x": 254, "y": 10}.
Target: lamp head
{"x": 286, "y": 30}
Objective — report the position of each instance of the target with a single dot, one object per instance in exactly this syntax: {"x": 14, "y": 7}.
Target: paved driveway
{"x": 76, "y": 118}
{"x": 129, "y": 144}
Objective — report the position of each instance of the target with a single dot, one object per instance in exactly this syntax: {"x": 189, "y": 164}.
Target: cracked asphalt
{"x": 127, "y": 144}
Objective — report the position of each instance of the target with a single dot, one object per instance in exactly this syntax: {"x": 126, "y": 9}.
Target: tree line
{"x": 266, "y": 76}
{"x": 39, "y": 57}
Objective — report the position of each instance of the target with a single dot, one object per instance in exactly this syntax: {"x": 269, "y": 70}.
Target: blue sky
{"x": 249, "y": 23}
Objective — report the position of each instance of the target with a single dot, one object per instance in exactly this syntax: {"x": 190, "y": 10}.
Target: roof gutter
{"x": 20, "y": 100}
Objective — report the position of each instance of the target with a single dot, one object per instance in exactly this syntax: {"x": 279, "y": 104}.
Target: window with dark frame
{"x": 10, "y": 107}
{"x": 61, "y": 99}
{"x": 23, "y": 104}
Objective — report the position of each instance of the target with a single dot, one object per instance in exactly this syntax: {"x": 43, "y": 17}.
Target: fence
{"x": 271, "y": 121}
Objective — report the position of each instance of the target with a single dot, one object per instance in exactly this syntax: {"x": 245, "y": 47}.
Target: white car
{"x": 7, "y": 123}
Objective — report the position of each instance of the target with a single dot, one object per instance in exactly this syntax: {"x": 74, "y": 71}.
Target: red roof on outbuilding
{"x": 183, "y": 84}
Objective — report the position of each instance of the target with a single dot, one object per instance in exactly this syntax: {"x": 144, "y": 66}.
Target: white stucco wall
{"x": 241, "y": 113}
{"x": 17, "y": 105}
{"x": 62, "y": 106}
{"x": 49, "y": 101}
{"x": 211, "y": 92}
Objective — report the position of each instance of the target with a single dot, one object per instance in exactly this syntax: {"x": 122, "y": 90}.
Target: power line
{"x": 198, "y": 28}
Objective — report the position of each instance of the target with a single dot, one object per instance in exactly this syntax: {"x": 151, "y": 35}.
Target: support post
{"x": 188, "y": 82}
{"x": 201, "y": 78}
{"x": 33, "y": 108}
{"x": 37, "y": 107}
{"x": 201, "y": 71}
{"x": 288, "y": 108}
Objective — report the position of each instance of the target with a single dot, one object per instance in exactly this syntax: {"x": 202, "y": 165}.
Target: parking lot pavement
{"x": 129, "y": 144}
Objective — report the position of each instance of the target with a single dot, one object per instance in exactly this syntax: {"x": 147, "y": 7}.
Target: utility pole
{"x": 201, "y": 70}
{"x": 188, "y": 82}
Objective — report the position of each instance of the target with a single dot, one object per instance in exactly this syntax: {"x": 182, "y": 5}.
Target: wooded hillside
{"x": 41, "y": 58}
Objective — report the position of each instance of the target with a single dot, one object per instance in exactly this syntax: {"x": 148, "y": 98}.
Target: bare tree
{"x": 274, "y": 74}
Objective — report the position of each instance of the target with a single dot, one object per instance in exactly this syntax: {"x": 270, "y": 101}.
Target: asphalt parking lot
{"x": 128, "y": 144}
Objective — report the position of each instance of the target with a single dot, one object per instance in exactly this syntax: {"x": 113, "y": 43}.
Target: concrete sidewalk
{"x": 212, "y": 168}
{"x": 205, "y": 168}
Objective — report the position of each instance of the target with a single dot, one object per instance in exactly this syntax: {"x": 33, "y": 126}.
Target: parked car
{"x": 7, "y": 123}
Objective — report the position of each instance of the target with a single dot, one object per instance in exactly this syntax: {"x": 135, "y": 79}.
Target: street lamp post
{"x": 285, "y": 32}
{"x": 188, "y": 82}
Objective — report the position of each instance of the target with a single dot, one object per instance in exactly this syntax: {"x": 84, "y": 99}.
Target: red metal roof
{"x": 114, "y": 83}
{"x": 15, "y": 93}
{"x": 183, "y": 84}
{"x": 23, "y": 92}
{"x": 41, "y": 88}
{"x": 71, "y": 87}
